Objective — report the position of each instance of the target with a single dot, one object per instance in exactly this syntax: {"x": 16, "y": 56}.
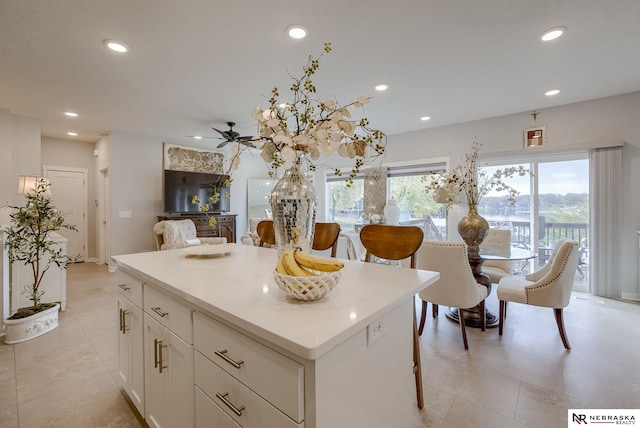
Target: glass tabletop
{"x": 516, "y": 254}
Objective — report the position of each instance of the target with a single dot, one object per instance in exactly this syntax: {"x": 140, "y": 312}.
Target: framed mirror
{"x": 258, "y": 193}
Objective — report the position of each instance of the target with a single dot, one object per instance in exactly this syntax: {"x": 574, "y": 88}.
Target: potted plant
{"x": 29, "y": 241}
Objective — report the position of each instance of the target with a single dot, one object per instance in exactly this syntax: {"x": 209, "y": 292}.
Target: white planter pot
{"x": 24, "y": 329}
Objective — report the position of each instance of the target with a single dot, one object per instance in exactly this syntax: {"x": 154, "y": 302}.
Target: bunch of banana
{"x": 295, "y": 262}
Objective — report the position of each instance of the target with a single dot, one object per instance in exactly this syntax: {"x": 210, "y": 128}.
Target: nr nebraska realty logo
{"x": 581, "y": 417}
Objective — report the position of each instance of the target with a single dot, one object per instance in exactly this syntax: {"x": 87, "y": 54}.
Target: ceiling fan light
{"x": 297, "y": 31}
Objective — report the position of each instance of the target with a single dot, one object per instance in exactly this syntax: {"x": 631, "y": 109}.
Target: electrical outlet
{"x": 375, "y": 331}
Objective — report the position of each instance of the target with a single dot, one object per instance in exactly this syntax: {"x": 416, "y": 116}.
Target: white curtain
{"x": 605, "y": 183}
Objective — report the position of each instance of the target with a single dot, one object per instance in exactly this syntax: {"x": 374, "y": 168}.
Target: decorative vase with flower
{"x": 293, "y": 135}
{"x": 293, "y": 203}
{"x": 474, "y": 184}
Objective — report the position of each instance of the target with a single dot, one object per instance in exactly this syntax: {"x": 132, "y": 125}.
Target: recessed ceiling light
{"x": 73, "y": 134}
{"x": 70, "y": 114}
{"x": 297, "y": 31}
{"x": 283, "y": 105}
{"x": 381, "y": 87}
{"x": 116, "y": 46}
{"x": 552, "y": 92}
{"x": 425, "y": 118}
{"x": 552, "y": 34}
{"x": 197, "y": 137}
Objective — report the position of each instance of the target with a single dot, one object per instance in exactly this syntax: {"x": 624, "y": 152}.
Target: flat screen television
{"x": 181, "y": 186}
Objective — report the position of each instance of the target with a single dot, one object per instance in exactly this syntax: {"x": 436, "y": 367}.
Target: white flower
{"x": 303, "y": 128}
{"x": 473, "y": 183}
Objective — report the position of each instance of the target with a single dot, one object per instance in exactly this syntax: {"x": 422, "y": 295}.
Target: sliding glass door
{"x": 553, "y": 203}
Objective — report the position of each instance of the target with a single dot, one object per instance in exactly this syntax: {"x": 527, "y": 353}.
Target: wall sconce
{"x": 28, "y": 184}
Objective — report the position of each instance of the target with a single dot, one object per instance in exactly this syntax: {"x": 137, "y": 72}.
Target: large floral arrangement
{"x": 472, "y": 182}
{"x": 305, "y": 127}
{"x": 302, "y": 129}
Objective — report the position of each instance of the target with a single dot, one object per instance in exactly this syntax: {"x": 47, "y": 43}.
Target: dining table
{"x": 472, "y": 315}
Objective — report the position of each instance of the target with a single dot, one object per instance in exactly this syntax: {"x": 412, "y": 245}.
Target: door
{"x": 130, "y": 350}
{"x": 169, "y": 378}
{"x": 553, "y": 203}
{"x": 69, "y": 194}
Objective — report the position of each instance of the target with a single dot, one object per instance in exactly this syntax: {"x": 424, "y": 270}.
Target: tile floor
{"x": 66, "y": 378}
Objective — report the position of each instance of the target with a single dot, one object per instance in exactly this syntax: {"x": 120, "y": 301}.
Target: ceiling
{"x": 195, "y": 64}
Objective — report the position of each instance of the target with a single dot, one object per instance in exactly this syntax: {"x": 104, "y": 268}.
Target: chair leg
{"x": 483, "y": 316}
{"x": 503, "y": 309}
{"x": 560, "y": 322}
{"x": 462, "y": 327}
{"x": 417, "y": 364}
{"x": 434, "y": 310}
{"x": 423, "y": 316}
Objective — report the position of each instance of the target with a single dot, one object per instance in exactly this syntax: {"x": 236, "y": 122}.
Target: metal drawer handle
{"x": 123, "y": 286}
{"x": 157, "y": 355}
{"x": 223, "y": 398}
{"x": 223, "y": 354}
{"x": 123, "y": 320}
{"x": 158, "y": 311}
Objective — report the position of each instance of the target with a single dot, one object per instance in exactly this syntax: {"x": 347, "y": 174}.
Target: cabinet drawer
{"x": 130, "y": 287}
{"x": 169, "y": 312}
{"x": 276, "y": 378}
{"x": 231, "y": 396}
{"x": 208, "y": 414}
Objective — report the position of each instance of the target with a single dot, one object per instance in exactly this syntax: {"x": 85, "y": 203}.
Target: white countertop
{"x": 240, "y": 289}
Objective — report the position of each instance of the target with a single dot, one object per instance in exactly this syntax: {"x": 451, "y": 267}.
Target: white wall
{"x": 19, "y": 155}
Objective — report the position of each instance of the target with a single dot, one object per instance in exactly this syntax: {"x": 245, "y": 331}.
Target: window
{"x": 345, "y": 204}
{"x": 552, "y": 204}
{"x": 406, "y": 184}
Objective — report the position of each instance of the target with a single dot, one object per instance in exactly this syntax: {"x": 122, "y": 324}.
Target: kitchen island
{"x": 240, "y": 353}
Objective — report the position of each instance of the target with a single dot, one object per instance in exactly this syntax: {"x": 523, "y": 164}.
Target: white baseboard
{"x": 631, "y": 296}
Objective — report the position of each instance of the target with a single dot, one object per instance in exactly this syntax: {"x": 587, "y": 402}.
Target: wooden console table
{"x": 225, "y": 226}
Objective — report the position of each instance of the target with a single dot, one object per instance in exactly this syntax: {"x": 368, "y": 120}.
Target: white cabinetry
{"x": 129, "y": 342}
{"x": 254, "y": 385}
{"x": 168, "y": 368}
{"x": 54, "y": 283}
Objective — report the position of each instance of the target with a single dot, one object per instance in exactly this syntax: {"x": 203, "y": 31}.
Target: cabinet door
{"x": 227, "y": 228}
{"x": 169, "y": 378}
{"x": 130, "y": 350}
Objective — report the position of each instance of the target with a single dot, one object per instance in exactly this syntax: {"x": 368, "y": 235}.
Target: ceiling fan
{"x": 230, "y": 136}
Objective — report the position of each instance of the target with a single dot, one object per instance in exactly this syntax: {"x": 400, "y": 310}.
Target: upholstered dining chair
{"x": 267, "y": 233}
{"x": 397, "y": 243}
{"x": 172, "y": 234}
{"x": 325, "y": 237}
{"x": 456, "y": 287}
{"x": 549, "y": 287}
{"x": 497, "y": 242}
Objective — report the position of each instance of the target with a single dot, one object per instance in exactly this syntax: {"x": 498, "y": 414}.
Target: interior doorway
{"x": 69, "y": 194}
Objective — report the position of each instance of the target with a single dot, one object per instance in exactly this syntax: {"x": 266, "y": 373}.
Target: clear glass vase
{"x": 294, "y": 203}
